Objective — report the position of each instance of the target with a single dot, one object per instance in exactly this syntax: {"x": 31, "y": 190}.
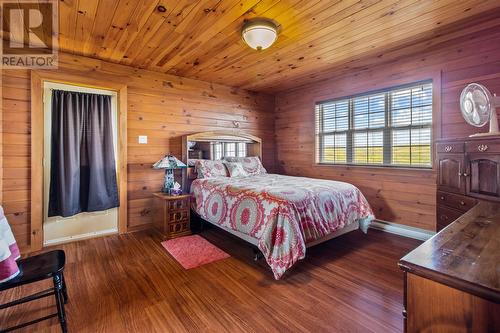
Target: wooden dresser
{"x": 452, "y": 281}
{"x": 468, "y": 171}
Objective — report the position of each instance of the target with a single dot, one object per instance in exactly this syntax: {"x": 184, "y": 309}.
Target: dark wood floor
{"x": 130, "y": 284}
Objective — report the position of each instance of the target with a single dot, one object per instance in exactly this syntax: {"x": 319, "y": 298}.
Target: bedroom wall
{"x": 396, "y": 195}
{"x": 163, "y": 107}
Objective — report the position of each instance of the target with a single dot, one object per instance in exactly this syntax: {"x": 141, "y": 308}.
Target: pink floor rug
{"x": 193, "y": 251}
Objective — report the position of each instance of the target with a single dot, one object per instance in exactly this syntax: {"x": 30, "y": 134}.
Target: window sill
{"x": 376, "y": 167}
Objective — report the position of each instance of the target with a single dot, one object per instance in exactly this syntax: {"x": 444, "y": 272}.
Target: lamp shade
{"x": 259, "y": 34}
{"x": 169, "y": 162}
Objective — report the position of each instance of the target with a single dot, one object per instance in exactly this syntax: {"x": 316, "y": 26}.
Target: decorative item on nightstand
{"x": 170, "y": 163}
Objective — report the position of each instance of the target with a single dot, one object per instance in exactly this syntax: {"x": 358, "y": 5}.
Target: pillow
{"x": 209, "y": 169}
{"x": 192, "y": 161}
{"x": 252, "y": 165}
{"x": 236, "y": 169}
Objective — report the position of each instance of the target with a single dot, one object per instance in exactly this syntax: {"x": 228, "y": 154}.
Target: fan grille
{"x": 476, "y": 104}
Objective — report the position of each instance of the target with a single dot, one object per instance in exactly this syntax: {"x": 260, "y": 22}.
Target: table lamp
{"x": 169, "y": 163}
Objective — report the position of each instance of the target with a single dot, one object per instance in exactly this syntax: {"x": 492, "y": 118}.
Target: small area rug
{"x": 193, "y": 251}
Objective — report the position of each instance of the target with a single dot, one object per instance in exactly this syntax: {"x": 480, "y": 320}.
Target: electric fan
{"x": 478, "y": 107}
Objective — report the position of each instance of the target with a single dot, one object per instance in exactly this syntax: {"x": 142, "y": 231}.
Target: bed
{"x": 281, "y": 215}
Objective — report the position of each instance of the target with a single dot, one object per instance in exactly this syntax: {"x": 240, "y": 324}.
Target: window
{"x": 217, "y": 150}
{"x": 230, "y": 149}
{"x": 241, "y": 149}
{"x": 391, "y": 128}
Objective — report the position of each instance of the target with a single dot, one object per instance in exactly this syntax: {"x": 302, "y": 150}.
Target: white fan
{"x": 479, "y": 106}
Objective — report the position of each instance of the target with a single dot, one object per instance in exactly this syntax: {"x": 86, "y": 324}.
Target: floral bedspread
{"x": 283, "y": 213}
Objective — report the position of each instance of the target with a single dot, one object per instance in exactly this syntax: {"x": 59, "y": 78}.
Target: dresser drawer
{"x": 178, "y": 227}
{"x": 455, "y": 201}
{"x": 446, "y": 215}
{"x": 483, "y": 146}
{"x": 452, "y": 147}
{"x": 174, "y": 205}
{"x": 177, "y": 216}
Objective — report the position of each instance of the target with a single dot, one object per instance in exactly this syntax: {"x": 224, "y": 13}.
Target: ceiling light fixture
{"x": 259, "y": 34}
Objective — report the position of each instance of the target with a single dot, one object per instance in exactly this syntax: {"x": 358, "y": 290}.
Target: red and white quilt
{"x": 283, "y": 213}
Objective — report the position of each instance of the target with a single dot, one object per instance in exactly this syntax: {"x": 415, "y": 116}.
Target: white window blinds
{"x": 217, "y": 151}
{"x": 228, "y": 149}
{"x": 390, "y": 128}
{"x": 241, "y": 149}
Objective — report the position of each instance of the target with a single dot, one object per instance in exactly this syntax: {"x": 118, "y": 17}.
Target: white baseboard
{"x": 402, "y": 230}
{"x": 88, "y": 235}
{"x": 390, "y": 227}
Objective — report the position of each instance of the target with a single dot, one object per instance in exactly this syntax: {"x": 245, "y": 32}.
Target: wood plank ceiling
{"x": 201, "y": 39}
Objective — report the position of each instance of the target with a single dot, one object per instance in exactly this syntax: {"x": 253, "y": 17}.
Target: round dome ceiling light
{"x": 259, "y": 34}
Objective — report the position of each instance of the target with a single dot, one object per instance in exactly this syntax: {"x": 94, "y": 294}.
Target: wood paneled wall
{"x": 163, "y": 107}
{"x": 402, "y": 196}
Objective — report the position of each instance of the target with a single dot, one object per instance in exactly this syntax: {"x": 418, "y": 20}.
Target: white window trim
{"x": 387, "y": 129}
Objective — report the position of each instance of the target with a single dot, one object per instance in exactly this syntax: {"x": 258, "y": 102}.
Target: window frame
{"x": 223, "y": 147}
{"x": 226, "y": 151}
{"x": 213, "y": 150}
{"x": 387, "y": 129}
{"x": 239, "y": 150}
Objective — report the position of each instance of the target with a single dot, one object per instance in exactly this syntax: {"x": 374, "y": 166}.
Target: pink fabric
{"x": 9, "y": 251}
{"x": 283, "y": 213}
{"x": 193, "y": 251}
{"x": 8, "y": 267}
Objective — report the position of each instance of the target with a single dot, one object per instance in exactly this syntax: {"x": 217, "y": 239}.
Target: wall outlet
{"x": 143, "y": 139}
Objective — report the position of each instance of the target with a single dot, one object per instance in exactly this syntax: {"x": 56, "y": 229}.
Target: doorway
{"x": 58, "y": 229}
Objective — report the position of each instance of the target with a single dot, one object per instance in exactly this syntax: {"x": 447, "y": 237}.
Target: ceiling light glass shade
{"x": 259, "y": 35}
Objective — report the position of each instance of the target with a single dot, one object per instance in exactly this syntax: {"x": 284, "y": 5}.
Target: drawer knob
{"x": 442, "y": 198}
{"x": 465, "y": 174}
{"x": 462, "y": 203}
{"x": 448, "y": 149}
{"x": 482, "y": 148}
{"x": 444, "y": 217}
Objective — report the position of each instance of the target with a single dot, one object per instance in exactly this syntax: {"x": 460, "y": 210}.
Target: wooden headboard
{"x": 203, "y": 148}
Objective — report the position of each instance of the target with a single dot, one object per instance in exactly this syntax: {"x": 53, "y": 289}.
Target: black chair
{"x": 48, "y": 265}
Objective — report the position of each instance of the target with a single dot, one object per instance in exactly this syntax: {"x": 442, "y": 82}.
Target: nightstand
{"x": 171, "y": 214}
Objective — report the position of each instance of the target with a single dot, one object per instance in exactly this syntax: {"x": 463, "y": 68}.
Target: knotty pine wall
{"x": 163, "y": 107}
{"x": 402, "y": 196}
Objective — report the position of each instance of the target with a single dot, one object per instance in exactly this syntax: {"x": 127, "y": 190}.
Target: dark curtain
{"x": 83, "y": 172}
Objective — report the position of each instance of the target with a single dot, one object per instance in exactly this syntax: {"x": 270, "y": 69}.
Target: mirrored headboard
{"x": 216, "y": 145}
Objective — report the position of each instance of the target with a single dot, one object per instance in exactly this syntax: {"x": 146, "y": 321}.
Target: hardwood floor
{"x": 129, "y": 283}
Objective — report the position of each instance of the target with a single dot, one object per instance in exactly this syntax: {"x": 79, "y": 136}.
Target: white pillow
{"x": 236, "y": 169}
{"x": 252, "y": 164}
{"x": 210, "y": 169}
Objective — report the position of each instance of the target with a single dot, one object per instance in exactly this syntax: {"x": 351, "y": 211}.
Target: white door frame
{"x": 38, "y": 77}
